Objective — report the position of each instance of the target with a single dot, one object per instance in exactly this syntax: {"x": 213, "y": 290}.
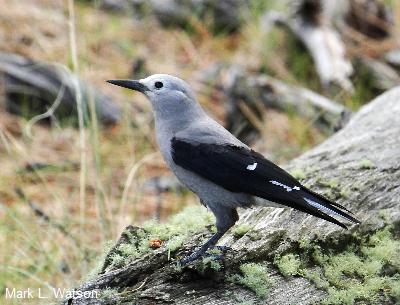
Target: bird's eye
{"x": 158, "y": 85}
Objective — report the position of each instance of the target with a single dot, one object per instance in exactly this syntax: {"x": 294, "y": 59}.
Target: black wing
{"x": 242, "y": 170}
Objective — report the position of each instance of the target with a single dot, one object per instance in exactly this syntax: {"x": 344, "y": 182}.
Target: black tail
{"x": 325, "y": 208}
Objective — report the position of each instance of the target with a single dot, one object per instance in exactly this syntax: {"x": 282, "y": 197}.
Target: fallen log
{"x": 311, "y": 24}
{"x": 32, "y": 88}
{"x": 251, "y": 91}
{"x": 293, "y": 257}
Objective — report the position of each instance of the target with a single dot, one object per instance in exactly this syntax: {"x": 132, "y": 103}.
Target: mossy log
{"x": 359, "y": 167}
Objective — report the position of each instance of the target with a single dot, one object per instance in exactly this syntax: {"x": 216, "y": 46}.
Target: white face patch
{"x": 287, "y": 188}
{"x": 252, "y": 167}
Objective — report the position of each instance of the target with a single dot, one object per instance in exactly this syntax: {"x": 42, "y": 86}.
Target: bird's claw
{"x": 189, "y": 259}
{"x": 223, "y": 249}
{"x": 199, "y": 253}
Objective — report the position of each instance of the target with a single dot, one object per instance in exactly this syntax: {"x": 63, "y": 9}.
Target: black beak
{"x": 130, "y": 84}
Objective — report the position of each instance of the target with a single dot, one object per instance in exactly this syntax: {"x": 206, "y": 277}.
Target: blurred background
{"x": 79, "y": 160}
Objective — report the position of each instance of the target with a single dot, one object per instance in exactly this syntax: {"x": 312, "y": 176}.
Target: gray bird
{"x": 224, "y": 172}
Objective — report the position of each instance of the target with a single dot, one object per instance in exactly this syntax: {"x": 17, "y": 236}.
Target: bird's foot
{"x": 223, "y": 249}
{"x": 203, "y": 252}
{"x": 191, "y": 258}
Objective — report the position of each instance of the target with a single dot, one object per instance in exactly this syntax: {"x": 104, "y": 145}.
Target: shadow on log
{"x": 359, "y": 167}
{"x": 32, "y": 88}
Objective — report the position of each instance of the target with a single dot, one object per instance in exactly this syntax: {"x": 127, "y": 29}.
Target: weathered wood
{"x": 383, "y": 75}
{"x": 251, "y": 91}
{"x": 311, "y": 24}
{"x": 372, "y": 134}
{"x": 31, "y": 88}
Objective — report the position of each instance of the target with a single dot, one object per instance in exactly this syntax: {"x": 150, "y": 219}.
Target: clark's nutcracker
{"x": 224, "y": 172}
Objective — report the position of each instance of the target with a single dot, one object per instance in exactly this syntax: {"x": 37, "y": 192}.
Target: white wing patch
{"x": 287, "y": 188}
{"x": 252, "y": 167}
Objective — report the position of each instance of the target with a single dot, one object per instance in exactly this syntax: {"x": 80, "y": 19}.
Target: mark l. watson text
{"x": 57, "y": 293}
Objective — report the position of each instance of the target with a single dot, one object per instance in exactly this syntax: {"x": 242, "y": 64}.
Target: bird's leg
{"x": 203, "y": 249}
{"x": 226, "y": 218}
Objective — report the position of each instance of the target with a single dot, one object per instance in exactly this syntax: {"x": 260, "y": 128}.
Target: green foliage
{"x": 255, "y": 277}
{"x": 288, "y": 264}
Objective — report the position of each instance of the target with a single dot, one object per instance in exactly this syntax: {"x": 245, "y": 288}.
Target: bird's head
{"x": 167, "y": 94}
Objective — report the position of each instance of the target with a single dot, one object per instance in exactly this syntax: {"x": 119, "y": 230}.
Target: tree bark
{"x": 364, "y": 161}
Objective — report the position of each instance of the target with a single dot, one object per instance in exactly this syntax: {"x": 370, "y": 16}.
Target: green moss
{"x": 117, "y": 260}
{"x": 332, "y": 183}
{"x": 128, "y": 250}
{"x": 255, "y": 277}
{"x": 365, "y": 272}
{"x": 304, "y": 243}
{"x": 176, "y": 242}
{"x": 298, "y": 173}
{"x": 240, "y": 230}
{"x": 109, "y": 294}
{"x": 316, "y": 277}
{"x": 383, "y": 248}
{"x": 319, "y": 257}
{"x": 288, "y": 264}
{"x": 327, "y": 193}
{"x": 366, "y": 164}
{"x": 172, "y": 234}
{"x": 394, "y": 286}
{"x": 345, "y": 192}
{"x": 210, "y": 262}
